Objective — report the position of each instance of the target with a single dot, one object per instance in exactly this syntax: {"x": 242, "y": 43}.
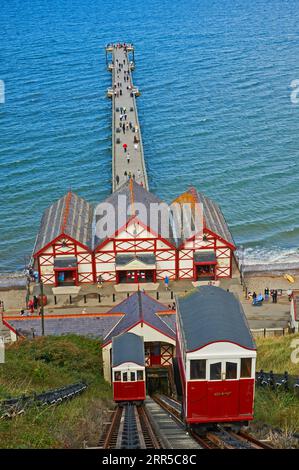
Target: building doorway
{"x": 157, "y": 381}
{"x": 136, "y": 276}
{"x": 66, "y": 271}
{"x": 153, "y": 354}
{"x": 205, "y": 272}
{"x": 67, "y": 277}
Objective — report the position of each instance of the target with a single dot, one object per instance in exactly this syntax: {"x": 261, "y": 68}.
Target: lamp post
{"x": 42, "y": 307}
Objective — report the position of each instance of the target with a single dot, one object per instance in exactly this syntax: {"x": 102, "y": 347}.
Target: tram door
{"x": 223, "y": 388}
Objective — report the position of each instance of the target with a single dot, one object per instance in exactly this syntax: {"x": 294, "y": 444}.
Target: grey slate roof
{"x": 207, "y": 257}
{"x": 213, "y": 217}
{"x": 170, "y": 320}
{"x": 95, "y": 327}
{"x": 71, "y": 215}
{"x": 121, "y": 260}
{"x": 139, "y": 306}
{"x": 122, "y": 214}
{"x": 127, "y": 347}
{"x": 212, "y": 314}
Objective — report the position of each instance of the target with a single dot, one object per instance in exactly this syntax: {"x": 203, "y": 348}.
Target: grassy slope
{"x": 51, "y": 362}
{"x": 277, "y": 409}
{"x": 47, "y": 363}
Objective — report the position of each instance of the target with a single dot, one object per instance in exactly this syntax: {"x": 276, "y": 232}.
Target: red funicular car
{"x": 128, "y": 368}
{"x": 216, "y": 358}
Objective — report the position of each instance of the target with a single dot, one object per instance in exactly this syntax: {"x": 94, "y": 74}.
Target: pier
{"x": 127, "y": 149}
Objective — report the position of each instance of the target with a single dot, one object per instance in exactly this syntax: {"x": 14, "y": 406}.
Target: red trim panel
{"x": 220, "y": 401}
{"x": 128, "y": 391}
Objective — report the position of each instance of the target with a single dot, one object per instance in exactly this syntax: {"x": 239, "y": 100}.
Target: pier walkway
{"x": 127, "y": 148}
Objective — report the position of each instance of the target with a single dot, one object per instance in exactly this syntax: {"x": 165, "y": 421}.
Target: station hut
{"x": 150, "y": 319}
{"x": 209, "y": 254}
{"x": 63, "y": 248}
{"x": 133, "y": 250}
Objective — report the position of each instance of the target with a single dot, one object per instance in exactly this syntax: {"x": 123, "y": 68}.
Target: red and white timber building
{"x": 207, "y": 255}
{"x": 135, "y": 251}
{"x": 63, "y": 248}
{"x": 72, "y": 248}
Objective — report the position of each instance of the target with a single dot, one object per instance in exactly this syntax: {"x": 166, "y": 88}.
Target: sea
{"x": 218, "y": 111}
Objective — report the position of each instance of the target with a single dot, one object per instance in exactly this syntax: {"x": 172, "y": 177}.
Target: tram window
{"x": 215, "y": 371}
{"x": 125, "y": 377}
{"x": 140, "y": 375}
{"x": 197, "y": 369}
{"x": 132, "y": 376}
{"x": 117, "y": 376}
{"x": 231, "y": 370}
{"x": 246, "y": 367}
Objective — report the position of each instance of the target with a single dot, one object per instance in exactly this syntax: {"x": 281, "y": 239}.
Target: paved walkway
{"x": 127, "y": 149}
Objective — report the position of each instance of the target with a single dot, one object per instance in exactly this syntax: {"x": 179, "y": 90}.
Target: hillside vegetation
{"x": 47, "y": 363}
{"x": 51, "y": 362}
{"x": 278, "y": 409}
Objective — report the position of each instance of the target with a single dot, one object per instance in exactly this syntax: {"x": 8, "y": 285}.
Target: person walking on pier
{"x": 125, "y": 147}
{"x": 117, "y": 180}
{"x": 128, "y": 157}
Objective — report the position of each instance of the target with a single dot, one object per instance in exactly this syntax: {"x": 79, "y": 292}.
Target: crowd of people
{"x": 32, "y": 276}
{"x": 126, "y": 124}
{"x": 33, "y": 306}
{"x": 258, "y": 299}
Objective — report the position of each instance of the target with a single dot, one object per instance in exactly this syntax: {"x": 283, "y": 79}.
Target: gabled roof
{"x": 72, "y": 216}
{"x": 127, "y": 347}
{"x": 131, "y": 194}
{"x": 137, "y": 308}
{"x": 86, "y": 325}
{"x": 211, "y": 314}
{"x": 213, "y": 218}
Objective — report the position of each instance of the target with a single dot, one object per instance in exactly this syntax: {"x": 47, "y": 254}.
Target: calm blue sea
{"x": 215, "y": 110}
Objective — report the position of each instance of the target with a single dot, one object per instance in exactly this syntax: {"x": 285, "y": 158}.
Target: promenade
{"x": 127, "y": 149}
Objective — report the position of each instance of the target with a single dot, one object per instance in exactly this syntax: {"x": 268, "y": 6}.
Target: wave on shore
{"x": 273, "y": 261}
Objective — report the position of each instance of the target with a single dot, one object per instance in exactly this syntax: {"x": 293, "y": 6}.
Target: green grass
{"x": 278, "y": 409}
{"x": 46, "y": 363}
{"x": 50, "y": 362}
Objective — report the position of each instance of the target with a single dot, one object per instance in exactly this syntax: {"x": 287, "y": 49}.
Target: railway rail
{"x": 130, "y": 427}
{"x": 219, "y": 438}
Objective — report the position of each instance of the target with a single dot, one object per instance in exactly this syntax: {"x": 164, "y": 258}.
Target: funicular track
{"x": 220, "y": 438}
{"x": 129, "y": 427}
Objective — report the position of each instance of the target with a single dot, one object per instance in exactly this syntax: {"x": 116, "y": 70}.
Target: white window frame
{"x": 252, "y": 368}
{"x": 189, "y": 369}
{"x": 223, "y": 368}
